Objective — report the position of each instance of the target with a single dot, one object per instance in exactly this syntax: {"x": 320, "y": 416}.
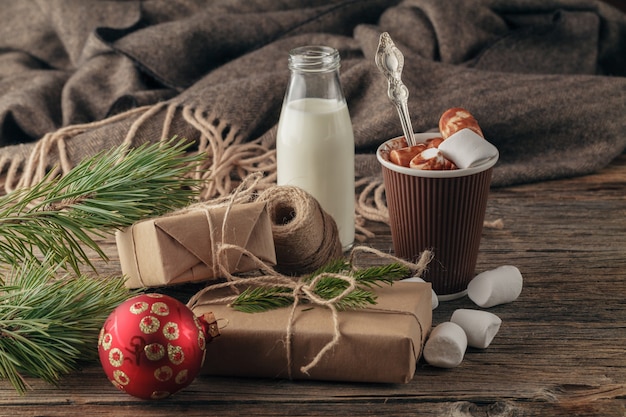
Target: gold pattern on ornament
{"x": 154, "y": 295}
{"x": 160, "y": 309}
{"x": 139, "y": 307}
{"x": 164, "y": 373}
{"x": 106, "y": 340}
{"x": 176, "y": 354}
{"x": 197, "y": 323}
{"x": 149, "y": 325}
{"x": 201, "y": 341}
{"x": 154, "y": 351}
{"x": 116, "y": 357}
{"x": 120, "y": 377}
{"x": 170, "y": 330}
{"x": 182, "y": 377}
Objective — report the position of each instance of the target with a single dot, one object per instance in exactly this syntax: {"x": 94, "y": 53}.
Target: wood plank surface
{"x": 561, "y": 350}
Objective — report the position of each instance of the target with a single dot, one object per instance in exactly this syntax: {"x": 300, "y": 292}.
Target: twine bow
{"x": 300, "y": 289}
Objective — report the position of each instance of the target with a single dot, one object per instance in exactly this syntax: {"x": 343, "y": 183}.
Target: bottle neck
{"x": 314, "y": 73}
{"x": 314, "y": 59}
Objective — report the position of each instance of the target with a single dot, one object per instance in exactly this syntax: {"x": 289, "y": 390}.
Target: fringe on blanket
{"x": 229, "y": 159}
{"x": 22, "y": 173}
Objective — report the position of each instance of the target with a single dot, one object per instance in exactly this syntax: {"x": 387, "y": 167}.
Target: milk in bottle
{"x": 315, "y": 142}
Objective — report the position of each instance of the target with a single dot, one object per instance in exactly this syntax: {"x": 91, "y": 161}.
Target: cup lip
{"x": 452, "y": 173}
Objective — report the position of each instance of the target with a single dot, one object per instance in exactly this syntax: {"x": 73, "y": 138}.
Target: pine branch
{"x": 329, "y": 287}
{"x": 386, "y": 274}
{"x": 48, "y": 325}
{"x": 109, "y": 191}
{"x": 258, "y": 299}
{"x": 356, "y": 299}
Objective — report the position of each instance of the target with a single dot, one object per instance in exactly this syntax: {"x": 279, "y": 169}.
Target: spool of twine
{"x": 305, "y": 236}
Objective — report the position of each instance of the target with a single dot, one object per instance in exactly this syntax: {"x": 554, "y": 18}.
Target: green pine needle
{"x": 112, "y": 190}
{"x": 258, "y": 299}
{"x": 48, "y": 326}
{"x": 358, "y": 298}
{"x": 387, "y": 274}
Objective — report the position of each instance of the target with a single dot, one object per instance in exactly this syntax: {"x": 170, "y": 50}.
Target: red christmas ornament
{"x": 152, "y": 345}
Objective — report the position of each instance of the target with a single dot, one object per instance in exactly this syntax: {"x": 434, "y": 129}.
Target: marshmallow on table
{"x": 434, "y": 298}
{"x": 480, "y": 326}
{"x": 446, "y": 345}
{"x": 465, "y": 148}
{"x": 496, "y": 286}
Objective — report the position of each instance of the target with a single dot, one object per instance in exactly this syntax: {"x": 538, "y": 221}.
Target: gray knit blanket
{"x": 546, "y": 79}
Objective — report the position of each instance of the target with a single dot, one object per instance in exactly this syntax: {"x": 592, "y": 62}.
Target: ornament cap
{"x": 209, "y": 326}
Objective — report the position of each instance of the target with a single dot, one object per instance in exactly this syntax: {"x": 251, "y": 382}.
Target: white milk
{"x": 315, "y": 151}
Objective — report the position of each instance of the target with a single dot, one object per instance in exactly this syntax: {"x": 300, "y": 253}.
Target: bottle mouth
{"x": 314, "y": 58}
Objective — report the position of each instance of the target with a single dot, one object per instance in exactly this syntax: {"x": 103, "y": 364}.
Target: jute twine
{"x": 305, "y": 236}
{"x": 299, "y": 289}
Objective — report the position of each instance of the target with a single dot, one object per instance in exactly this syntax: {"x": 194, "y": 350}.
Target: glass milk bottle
{"x": 315, "y": 142}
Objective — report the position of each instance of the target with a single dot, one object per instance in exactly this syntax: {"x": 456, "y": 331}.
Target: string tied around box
{"x": 299, "y": 290}
{"x": 244, "y": 193}
{"x": 305, "y": 236}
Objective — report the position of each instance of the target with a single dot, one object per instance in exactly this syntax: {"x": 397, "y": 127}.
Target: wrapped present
{"x": 181, "y": 247}
{"x": 381, "y": 343}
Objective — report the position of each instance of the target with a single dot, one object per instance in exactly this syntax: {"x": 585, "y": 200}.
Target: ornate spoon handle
{"x": 390, "y": 62}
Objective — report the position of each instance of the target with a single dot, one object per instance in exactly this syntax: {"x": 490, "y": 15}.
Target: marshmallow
{"x": 497, "y": 286}
{"x": 480, "y": 326}
{"x": 446, "y": 345}
{"x": 466, "y": 149}
{"x": 434, "y": 298}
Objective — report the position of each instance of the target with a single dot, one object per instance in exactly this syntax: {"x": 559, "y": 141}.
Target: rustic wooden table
{"x": 561, "y": 350}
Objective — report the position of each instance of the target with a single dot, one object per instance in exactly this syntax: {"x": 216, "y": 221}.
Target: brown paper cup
{"x": 438, "y": 210}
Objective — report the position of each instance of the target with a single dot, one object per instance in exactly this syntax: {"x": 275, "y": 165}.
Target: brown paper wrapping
{"x": 379, "y": 344}
{"x": 180, "y": 248}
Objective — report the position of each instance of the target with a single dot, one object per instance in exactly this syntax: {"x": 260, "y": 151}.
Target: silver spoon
{"x": 390, "y": 61}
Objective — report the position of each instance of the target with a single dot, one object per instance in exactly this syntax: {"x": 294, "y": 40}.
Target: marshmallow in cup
{"x": 466, "y": 149}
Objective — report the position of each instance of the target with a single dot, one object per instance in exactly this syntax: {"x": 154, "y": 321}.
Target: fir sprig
{"x": 263, "y": 298}
{"x": 259, "y": 299}
{"x": 111, "y": 190}
{"x": 49, "y": 325}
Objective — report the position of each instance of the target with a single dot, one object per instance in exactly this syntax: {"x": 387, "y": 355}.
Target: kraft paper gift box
{"x": 380, "y": 344}
{"x": 180, "y": 247}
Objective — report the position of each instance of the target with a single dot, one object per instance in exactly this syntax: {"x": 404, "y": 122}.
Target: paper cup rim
{"x": 452, "y": 173}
